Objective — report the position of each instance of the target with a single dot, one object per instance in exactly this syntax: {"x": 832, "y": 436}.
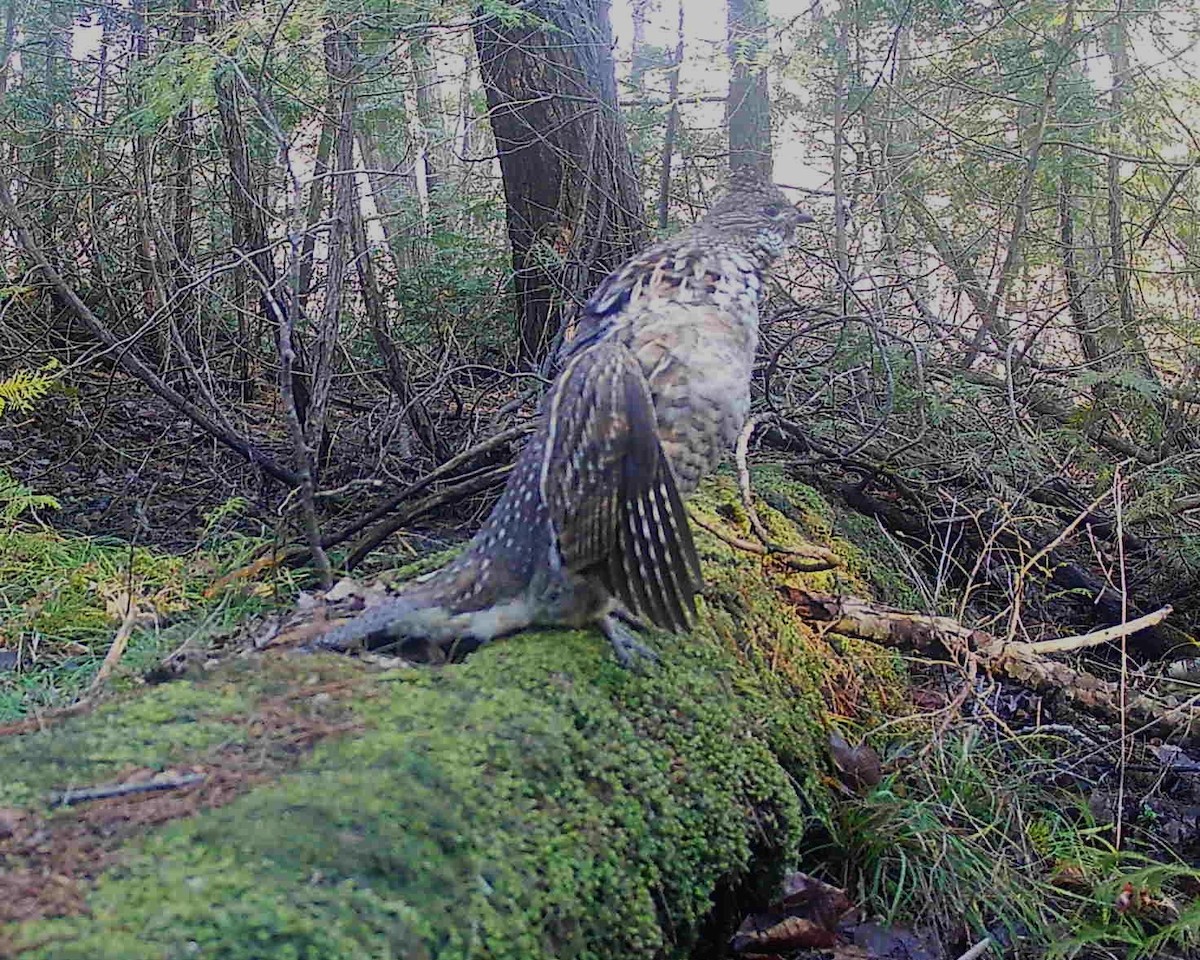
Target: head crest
{"x": 754, "y": 213}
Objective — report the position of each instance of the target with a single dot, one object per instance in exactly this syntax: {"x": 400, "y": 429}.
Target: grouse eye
{"x": 771, "y": 211}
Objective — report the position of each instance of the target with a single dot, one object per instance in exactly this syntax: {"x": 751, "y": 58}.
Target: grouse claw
{"x": 630, "y": 652}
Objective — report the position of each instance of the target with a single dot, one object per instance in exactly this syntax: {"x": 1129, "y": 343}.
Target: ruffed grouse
{"x": 652, "y": 392}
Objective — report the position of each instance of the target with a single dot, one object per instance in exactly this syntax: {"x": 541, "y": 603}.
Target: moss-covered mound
{"x": 536, "y": 801}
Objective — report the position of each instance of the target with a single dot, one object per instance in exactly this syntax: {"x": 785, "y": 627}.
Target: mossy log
{"x": 534, "y": 801}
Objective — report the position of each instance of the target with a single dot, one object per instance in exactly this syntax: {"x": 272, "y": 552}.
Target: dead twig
{"x": 1096, "y": 637}
{"x": 128, "y": 359}
{"x": 460, "y": 491}
{"x": 446, "y": 469}
{"x": 771, "y": 546}
{"x": 117, "y": 649}
{"x": 978, "y": 950}
{"x": 793, "y": 558}
{"x": 68, "y": 798}
{"x": 742, "y": 453}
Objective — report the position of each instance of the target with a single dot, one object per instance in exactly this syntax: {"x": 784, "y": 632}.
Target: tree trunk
{"x": 316, "y": 205}
{"x": 566, "y": 808}
{"x": 432, "y": 141}
{"x": 145, "y": 267}
{"x": 642, "y": 56}
{"x": 248, "y": 226}
{"x": 394, "y": 362}
{"x": 994, "y": 324}
{"x": 672, "y": 131}
{"x": 339, "y": 65}
{"x": 46, "y": 68}
{"x": 1078, "y": 302}
{"x": 574, "y": 207}
{"x": 181, "y": 188}
{"x": 1127, "y": 333}
{"x": 841, "y": 203}
{"x": 389, "y": 189}
{"x": 748, "y": 110}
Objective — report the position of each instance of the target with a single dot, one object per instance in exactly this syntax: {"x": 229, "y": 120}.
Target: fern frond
{"x": 23, "y": 388}
{"x": 16, "y": 499}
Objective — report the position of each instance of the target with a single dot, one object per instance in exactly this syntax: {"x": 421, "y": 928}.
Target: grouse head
{"x": 754, "y": 214}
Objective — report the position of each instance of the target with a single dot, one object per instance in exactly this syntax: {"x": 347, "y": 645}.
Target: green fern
{"x": 20, "y": 391}
{"x": 23, "y": 388}
{"x": 16, "y": 499}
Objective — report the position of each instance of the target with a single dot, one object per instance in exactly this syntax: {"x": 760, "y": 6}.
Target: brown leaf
{"x": 859, "y": 767}
{"x": 1069, "y": 875}
{"x": 804, "y": 916}
{"x": 789, "y": 933}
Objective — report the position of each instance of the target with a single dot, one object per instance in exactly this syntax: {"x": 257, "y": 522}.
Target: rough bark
{"x": 748, "y": 109}
{"x": 1078, "y": 306}
{"x": 574, "y": 207}
{"x": 316, "y": 205}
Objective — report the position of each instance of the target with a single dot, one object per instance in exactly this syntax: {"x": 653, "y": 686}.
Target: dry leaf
{"x": 804, "y": 916}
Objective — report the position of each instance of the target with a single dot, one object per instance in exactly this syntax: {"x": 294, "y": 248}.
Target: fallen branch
{"x": 1096, "y": 637}
{"x": 71, "y": 797}
{"x": 864, "y": 620}
{"x": 877, "y": 623}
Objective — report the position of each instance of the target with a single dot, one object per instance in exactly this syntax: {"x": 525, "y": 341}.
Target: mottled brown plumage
{"x": 652, "y": 392}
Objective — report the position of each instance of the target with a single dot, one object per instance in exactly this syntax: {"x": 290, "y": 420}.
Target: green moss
{"x": 161, "y": 728}
{"x": 870, "y": 555}
{"x": 872, "y": 565}
{"x": 535, "y": 801}
{"x": 158, "y": 727}
{"x": 801, "y": 503}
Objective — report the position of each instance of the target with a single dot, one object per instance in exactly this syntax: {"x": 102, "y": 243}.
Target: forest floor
{"x": 159, "y": 539}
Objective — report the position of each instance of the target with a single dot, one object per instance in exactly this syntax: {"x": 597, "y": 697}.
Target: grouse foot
{"x": 629, "y": 651}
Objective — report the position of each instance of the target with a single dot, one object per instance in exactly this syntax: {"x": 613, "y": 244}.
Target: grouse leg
{"x": 628, "y": 649}
{"x": 629, "y": 619}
